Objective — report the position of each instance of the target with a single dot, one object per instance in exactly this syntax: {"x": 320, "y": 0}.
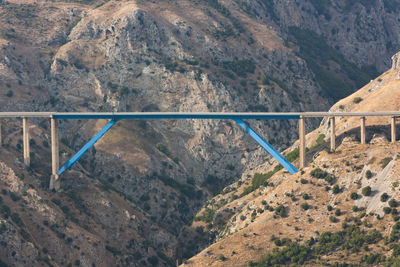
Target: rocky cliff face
{"x": 179, "y": 56}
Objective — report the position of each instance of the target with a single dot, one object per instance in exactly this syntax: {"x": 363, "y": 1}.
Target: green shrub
{"x": 354, "y": 195}
{"x": 281, "y": 211}
{"x": 14, "y": 197}
{"x": 222, "y": 257}
{"x": 368, "y": 174}
{"x": 6, "y": 211}
{"x": 366, "y": 191}
{"x": 333, "y": 219}
{"x": 329, "y": 207}
{"x": 260, "y": 179}
{"x": 9, "y": 93}
{"x": 303, "y": 181}
{"x": 115, "y": 251}
{"x": 320, "y": 174}
{"x": 305, "y": 206}
{"x": 293, "y": 155}
{"x": 387, "y": 210}
{"x": 17, "y": 219}
{"x": 384, "y": 162}
{"x": 338, "y": 212}
{"x": 357, "y": 100}
{"x": 384, "y": 197}
{"x": 355, "y": 209}
{"x": 163, "y": 148}
{"x": 393, "y": 203}
{"x": 336, "y": 189}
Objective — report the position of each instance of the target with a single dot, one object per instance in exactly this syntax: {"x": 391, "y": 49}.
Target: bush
{"x": 357, "y": 100}
{"x": 17, "y": 219}
{"x": 384, "y": 197}
{"x": 113, "y": 250}
{"x": 9, "y": 93}
{"x": 336, "y": 189}
{"x": 260, "y": 179}
{"x": 393, "y": 203}
{"x": 368, "y": 174}
{"x": 387, "y": 210}
{"x": 303, "y": 181}
{"x": 384, "y": 162}
{"x": 329, "y": 207}
{"x": 281, "y": 210}
{"x": 333, "y": 219}
{"x": 338, "y": 212}
{"x": 305, "y": 206}
{"x": 163, "y": 148}
{"x": 306, "y": 196}
{"x": 366, "y": 191}
{"x": 320, "y": 174}
{"x": 354, "y": 195}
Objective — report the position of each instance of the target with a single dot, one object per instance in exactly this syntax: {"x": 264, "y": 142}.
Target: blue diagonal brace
{"x": 86, "y": 147}
{"x": 285, "y": 163}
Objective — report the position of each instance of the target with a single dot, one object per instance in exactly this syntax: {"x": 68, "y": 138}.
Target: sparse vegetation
{"x": 354, "y": 196}
{"x": 321, "y": 174}
{"x": 368, "y": 174}
{"x": 384, "y": 162}
{"x": 351, "y": 239}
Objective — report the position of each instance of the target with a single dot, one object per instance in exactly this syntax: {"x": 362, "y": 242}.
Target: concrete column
{"x": 27, "y": 160}
{"x": 362, "y": 129}
{"x": 302, "y": 145}
{"x": 333, "y": 133}
{"x": 1, "y": 136}
{"x": 393, "y": 128}
{"x": 54, "y": 182}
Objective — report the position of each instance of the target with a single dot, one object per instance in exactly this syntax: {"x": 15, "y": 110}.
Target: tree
{"x": 366, "y": 191}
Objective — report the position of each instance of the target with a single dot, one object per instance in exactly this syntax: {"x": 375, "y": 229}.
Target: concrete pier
{"x": 393, "y": 128}
{"x": 333, "y": 133}
{"x": 362, "y": 129}
{"x": 302, "y": 145}
{"x": 54, "y": 182}
{"x": 25, "y": 126}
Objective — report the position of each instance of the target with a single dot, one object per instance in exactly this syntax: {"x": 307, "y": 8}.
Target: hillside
{"x": 340, "y": 209}
{"x": 168, "y": 55}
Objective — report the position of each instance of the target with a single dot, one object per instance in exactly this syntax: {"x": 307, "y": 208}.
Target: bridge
{"x": 114, "y": 117}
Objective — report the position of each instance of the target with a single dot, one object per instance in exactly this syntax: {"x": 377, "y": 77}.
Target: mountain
{"x": 183, "y": 55}
{"x": 341, "y": 209}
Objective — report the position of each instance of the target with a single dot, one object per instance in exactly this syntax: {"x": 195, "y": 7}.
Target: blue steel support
{"x": 86, "y": 147}
{"x": 285, "y": 163}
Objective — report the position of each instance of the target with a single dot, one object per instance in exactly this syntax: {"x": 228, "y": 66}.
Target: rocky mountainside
{"x": 340, "y": 209}
{"x": 184, "y": 55}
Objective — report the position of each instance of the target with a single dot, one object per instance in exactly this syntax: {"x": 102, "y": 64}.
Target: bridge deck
{"x": 192, "y": 115}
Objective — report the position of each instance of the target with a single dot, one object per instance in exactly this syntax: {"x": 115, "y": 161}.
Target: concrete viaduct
{"x": 237, "y": 117}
